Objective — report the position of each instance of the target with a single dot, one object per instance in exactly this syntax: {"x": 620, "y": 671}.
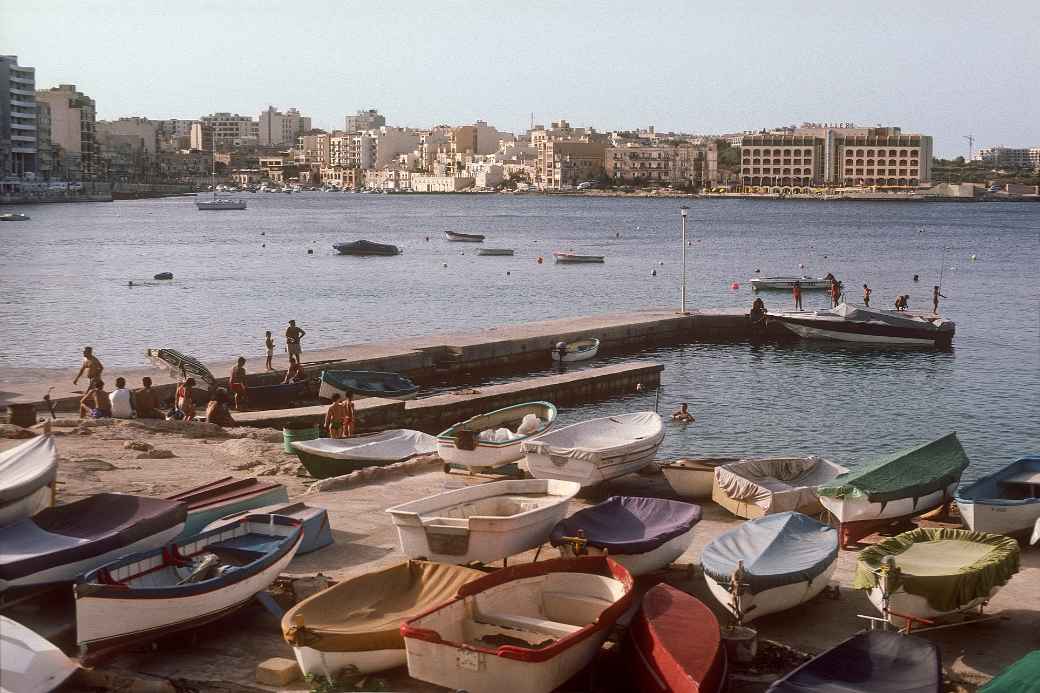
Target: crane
{"x": 971, "y": 146}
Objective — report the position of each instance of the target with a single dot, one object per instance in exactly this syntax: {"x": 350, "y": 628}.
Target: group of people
{"x": 902, "y": 302}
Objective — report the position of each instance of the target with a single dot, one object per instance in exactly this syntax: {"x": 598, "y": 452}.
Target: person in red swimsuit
{"x": 237, "y": 382}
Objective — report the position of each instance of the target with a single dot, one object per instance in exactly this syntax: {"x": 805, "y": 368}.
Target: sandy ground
{"x": 95, "y": 457}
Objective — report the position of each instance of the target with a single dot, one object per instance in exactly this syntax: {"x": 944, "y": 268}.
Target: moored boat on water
{"x": 568, "y": 258}
{"x": 30, "y": 663}
{"x": 578, "y": 350}
{"x": 464, "y": 237}
{"x": 328, "y": 457}
{"x": 1005, "y": 502}
{"x": 214, "y": 500}
{"x": 315, "y": 521}
{"x": 494, "y": 439}
{"x": 28, "y": 475}
{"x": 848, "y": 323}
{"x": 220, "y": 204}
{"x": 364, "y": 247}
{"x": 499, "y": 252}
{"x": 366, "y": 384}
{"x": 787, "y": 283}
{"x": 753, "y": 488}
{"x": 14, "y": 216}
{"x": 694, "y": 478}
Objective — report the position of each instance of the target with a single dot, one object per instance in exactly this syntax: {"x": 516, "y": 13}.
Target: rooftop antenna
{"x": 971, "y": 146}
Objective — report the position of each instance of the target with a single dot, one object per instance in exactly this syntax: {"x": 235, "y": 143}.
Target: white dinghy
{"x": 596, "y": 450}
{"x": 27, "y": 476}
{"x": 1005, "y": 502}
{"x": 753, "y": 488}
{"x": 494, "y": 439}
{"x": 28, "y": 662}
{"x": 482, "y": 523}
{"x": 694, "y": 478}
{"x": 578, "y": 350}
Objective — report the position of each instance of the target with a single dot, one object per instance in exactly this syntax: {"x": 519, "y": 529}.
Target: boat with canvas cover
{"x": 1005, "y": 502}
{"x": 364, "y": 247}
{"x": 328, "y": 457}
{"x": 753, "y": 488}
{"x": 366, "y": 384}
{"x": 567, "y": 258}
{"x": 317, "y": 533}
{"x": 770, "y": 564}
{"x": 1021, "y": 677}
{"x": 60, "y": 543}
{"x": 787, "y": 283}
{"x": 928, "y": 573}
{"x": 494, "y": 439}
{"x": 464, "y": 237}
{"x": 596, "y": 450}
{"x": 183, "y": 585}
{"x": 849, "y": 323}
{"x": 894, "y": 487}
{"x": 673, "y": 644}
{"x": 357, "y": 623}
{"x": 642, "y": 534}
{"x": 694, "y": 477}
{"x": 30, "y": 663}
{"x": 486, "y": 522}
{"x": 869, "y": 663}
{"x": 526, "y": 628}
{"x": 226, "y": 495}
{"x": 577, "y": 350}
{"x": 28, "y": 474}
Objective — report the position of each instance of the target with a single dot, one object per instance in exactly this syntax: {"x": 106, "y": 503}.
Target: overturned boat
{"x": 28, "y": 474}
{"x": 1005, "y": 502}
{"x": 849, "y": 323}
{"x": 29, "y": 663}
{"x": 494, "y": 439}
{"x": 328, "y": 457}
{"x": 753, "y": 488}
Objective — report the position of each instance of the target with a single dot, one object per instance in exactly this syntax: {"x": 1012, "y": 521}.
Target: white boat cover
{"x": 777, "y": 484}
{"x": 27, "y": 467}
{"x": 891, "y": 318}
{"x": 28, "y": 662}
{"x": 388, "y": 446}
{"x": 591, "y": 440}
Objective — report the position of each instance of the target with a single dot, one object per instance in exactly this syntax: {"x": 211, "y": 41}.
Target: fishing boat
{"x": 753, "y": 488}
{"x": 782, "y": 283}
{"x": 849, "y": 323}
{"x": 14, "y": 216}
{"x": 183, "y": 366}
{"x": 317, "y": 533}
{"x": 363, "y": 247}
{"x": 526, "y": 628}
{"x": 356, "y": 623}
{"x": 30, "y": 663}
{"x": 494, "y": 439}
{"x": 567, "y": 258}
{"x": 694, "y": 477}
{"x": 770, "y": 564}
{"x": 497, "y": 252}
{"x": 189, "y": 583}
{"x": 673, "y": 645}
{"x": 596, "y": 450}
{"x": 894, "y": 487}
{"x": 868, "y": 663}
{"x": 1021, "y": 677}
{"x": 366, "y": 384}
{"x": 928, "y": 573}
{"x": 578, "y": 350}
{"x": 485, "y": 523}
{"x": 214, "y": 500}
{"x": 28, "y": 475}
{"x": 464, "y": 237}
{"x": 329, "y": 457}
{"x": 642, "y": 534}
{"x": 57, "y": 544}
{"x": 1005, "y": 502}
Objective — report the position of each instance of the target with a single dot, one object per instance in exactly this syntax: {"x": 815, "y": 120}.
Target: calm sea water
{"x": 64, "y": 275}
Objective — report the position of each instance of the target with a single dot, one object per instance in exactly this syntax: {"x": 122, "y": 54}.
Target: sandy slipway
{"x": 160, "y": 458}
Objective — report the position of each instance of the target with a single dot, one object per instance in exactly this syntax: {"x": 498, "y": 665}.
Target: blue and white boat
{"x": 366, "y": 384}
{"x": 494, "y": 439}
{"x": 316, "y": 530}
{"x": 224, "y": 496}
{"x": 1005, "y": 502}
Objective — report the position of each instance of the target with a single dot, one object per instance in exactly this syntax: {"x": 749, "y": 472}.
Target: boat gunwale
{"x": 398, "y": 511}
{"x": 997, "y": 477}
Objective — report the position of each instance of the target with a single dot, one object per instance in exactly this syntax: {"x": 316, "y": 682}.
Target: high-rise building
{"x": 277, "y": 129}
{"x": 1018, "y": 157}
{"x": 44, "y": 150}
{"x": 72, "y": 131}
{"x": 364, "y": 120}
{"x": 229, "y": 130}
{"x": 18, "y": 152}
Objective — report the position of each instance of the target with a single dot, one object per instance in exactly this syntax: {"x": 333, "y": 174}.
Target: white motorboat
{"x": 499, "y": 252}
{"x": 458, "y": 236}
{"x": 753, "y": 488}
{"x": 782, "y": 283}
{"x": 578, "y": 350}
{"x": 30, "y": 663}
{"x": 28, "y": 473}
{"x": 848, "y": 323}
{"x": 694, "y": 477}
{"x": 596, "y": 450}
{"x": 523, "y": 629}
{"x": 1005, "y": 502}
{"x": 494, "y": 439}
{"x": 567, "y": 258}
{"x": 220, "y": 204}
{"x": 486, "y": 522}
{"x": 770, "y": 564}
{"x": 14, "y": 216}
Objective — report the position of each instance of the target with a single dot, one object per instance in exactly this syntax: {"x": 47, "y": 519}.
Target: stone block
{"x": 277, "y": 671}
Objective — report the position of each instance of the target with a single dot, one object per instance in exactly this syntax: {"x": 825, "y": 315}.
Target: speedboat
{"x": 782, "y": 283}
{"x": 849, "y": 323}
{"x": 30, "y": 663}
{"x": 494, "y": 439}
{"x": 500, "y": 252}
{"x": 694, "y": 477}
{"x": 578, "y": 350}
{"x": 14, "y": 216}
{"x": 568, "y": 258}
{"x": 486, "y": 522}
{"x": 464, "y": 237}
{"x": 1005, "y": 502}
{"x": 28, "y": 474}
{"x": 328, "y": 457}
{"x": 363, "y": 247}
{"x": 317, "y": 533}
{"x": 753, "y": 488}
{"x": 366, "y": 384}
{"x": 226, "y": 495}
{"x": 219, "y": 204}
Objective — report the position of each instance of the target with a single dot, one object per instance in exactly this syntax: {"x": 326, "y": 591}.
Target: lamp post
{"x": 683, "y": 210}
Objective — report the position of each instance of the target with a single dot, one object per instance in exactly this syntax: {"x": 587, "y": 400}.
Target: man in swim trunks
{"x": 237, "y": 382}
{"x": 146, "y": 402}
{"x": 269, "y": 345}
{"x": 682, "y": 415}
{"x": 293, "y": 335}
{"x": 295, "y": 372}
{"x": 91, "y": 366}
{"x": 335, "y": 415}
{"x": 95, "y": 403}
{"x": 184, "y": 400}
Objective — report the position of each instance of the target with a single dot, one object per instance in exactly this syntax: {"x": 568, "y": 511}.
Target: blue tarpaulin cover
{"x": 629, "y": 525}
{"x": 781, "y": 549}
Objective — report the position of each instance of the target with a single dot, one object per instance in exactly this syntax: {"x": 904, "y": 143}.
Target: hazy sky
{"x": 942, "y": 68}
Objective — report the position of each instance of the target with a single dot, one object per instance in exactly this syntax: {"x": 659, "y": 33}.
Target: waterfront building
{"x": 557, "y": 165}
{"x": 128, "y": 147}
{"x": 227, "y": 130}
{"x": 364, "y": 120}
{"x": 421, "y": 183}
{"x": 313, "y": 148}
{"x": 44, "y": 148}
{"x": 883, "y": 157}
{"x": 277, "y": 129}
{"x": 201, "y": 138}
{"x": 18, "y": 119}
{"x": 343, "y": 177}
{"x": 371, "y": 149}
{"x": 663, "y": 163}
{"x": 174, "y": 134}
{"x": 486, "y": 173}
{"x": 783, "y": 160}
{"x": 1010, "y": 157}
{"x": 73, "y": 137}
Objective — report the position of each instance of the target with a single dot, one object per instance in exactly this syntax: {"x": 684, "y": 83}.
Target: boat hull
{"x": 464, "y": 237}
{"x": 495, "y": 252}
{"x": 330, "y": 664}
{"x": 773, "y": 600}
{"x": 226, "y": 496}
{"x": 26, "y": 506}
{"x": 222, "y": 207}
{"x": 648, "y": 562}
{"x": 916, "y": 606}
{"x": 493, "y": 454}
{"x": 583, "y": 352}
{"x": 750, "y": 511}
{"x": 317, "y": 533}
{"x": 838, "y": 333}
{"x": 587, "y": 473}
{"x": 482, "y": 455}
{"x": 567, "y": 259}
{"x": 30, "y": 663}
{"x": 857, "y": 516}
{"x": 321, "y": 467}
{"x": 787, "y": 284}
{"x": 694, "y": 478}
{"x": 997, "y": 518}
{"x": 329, "y": 386}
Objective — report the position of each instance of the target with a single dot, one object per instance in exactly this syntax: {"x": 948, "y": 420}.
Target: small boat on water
{"x": 869, "y": 662}
{"x": 60, "y": 543}
{"x": 328, "y": 457}
{"x": 14, "y": 216}
{"x": 673, "y": 645}
{"x": 485, "y": 523}
{"x": 1021, "y": 677}
{"x": 526, "y": 628}
{"x": 567, "y": 258}
{"x": 596, "y": 450}
{"x": 186, "y": 584}
{"x": 317, "y": 533}
{"x": 694, "y": 477}
{"x": 578, "y": 350}
{"x": 1005, "y": 502}
{"x": 366, "y": 384}
{"x": 357, "y": 623}
{"x": 753, "y": 488}
{"x": 927, "y": 573}
{"x": 218, "y": 204}
{"x": 494, "y": 439}
{"x": 498, "y": 252}
{"x": 896, "y": 486}
{"x": 464, "y": 237}
{"x": 770, "y": 564}
{"x": 364, "y": 247}
{"x": 642, "y": 534}
{"x": 226, "y": 495}
{"x": 163, "y": 276}
{"x": 30, "y": 663}
{"x": 848, "y": 323}
{"x": 787, "y": 283}
{"x": 28, "y": 477}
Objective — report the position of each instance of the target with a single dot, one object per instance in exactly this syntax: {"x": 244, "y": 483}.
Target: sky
{"x": 948, "y": 69}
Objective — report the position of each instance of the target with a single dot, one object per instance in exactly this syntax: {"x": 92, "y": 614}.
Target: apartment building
{"x": 44, "y": 148}
{"x": 364, "y": 120}
{"x": 1011, "y": 157}
{"x": 18, "y": 118}
{"x": 783, "y": 160}
{"x": 128, "y": 147}
{"x": 227, "y": 130}
{"x": 441, "y": 183}
{"x": 883, "y": 157}
{"x": 277, "y": 129}
{"x": 313, "y": 149}
{"x": 556, "y": 166}
{"x": 664, "y": 163}
{"x": 73, "y": 137}
{"x": 342, "y": 177}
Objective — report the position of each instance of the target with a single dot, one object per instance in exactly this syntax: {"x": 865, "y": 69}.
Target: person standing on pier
{"x": 796, "y": 290}
{"x": 935, "y": 300}
{"x": 91, "y": 366}
{"x": 835, "y": 292}
{"x": 335, "y": 415}
{"x": 269, "y": 345}
{"x": 293, "y": 335}
{"x": 237, "y": 382}
{"x": 866, "y": 295}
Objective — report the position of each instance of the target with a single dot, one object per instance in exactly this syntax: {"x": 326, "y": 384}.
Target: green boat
{"x": 329, "y": 457}
{"x": 1021, "y": 677}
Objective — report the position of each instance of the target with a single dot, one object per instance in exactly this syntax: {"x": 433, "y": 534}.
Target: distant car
{"x": 587, "y": 185}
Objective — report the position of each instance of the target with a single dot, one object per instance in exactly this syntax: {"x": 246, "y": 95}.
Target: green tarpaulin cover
{"x": 948, "y": 567}
{"x": 910, "y": 473}
{"x": 1021, "y": 677}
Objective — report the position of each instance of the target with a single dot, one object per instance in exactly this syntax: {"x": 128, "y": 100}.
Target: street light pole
{"x": 683, "y": 210}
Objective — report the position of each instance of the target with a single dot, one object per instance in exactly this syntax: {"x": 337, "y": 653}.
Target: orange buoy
{"x": 734, "y": 286}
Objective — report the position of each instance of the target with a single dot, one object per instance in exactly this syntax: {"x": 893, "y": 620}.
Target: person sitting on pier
{"x": 682, "y": 415}
{"x": 217, "y": 411}
{"x": 95, "y": 403}
{"x": 237, "y": 382}
{"x": 295, "y": 373}
{"x": 758, "y": 311}
{"x": 122, "y": 400}
{"x": 146, "y": 402}
{"x": 335, "y": 416}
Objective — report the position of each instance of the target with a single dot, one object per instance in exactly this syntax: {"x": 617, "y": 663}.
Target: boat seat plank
{"x": 526, "y": 623}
